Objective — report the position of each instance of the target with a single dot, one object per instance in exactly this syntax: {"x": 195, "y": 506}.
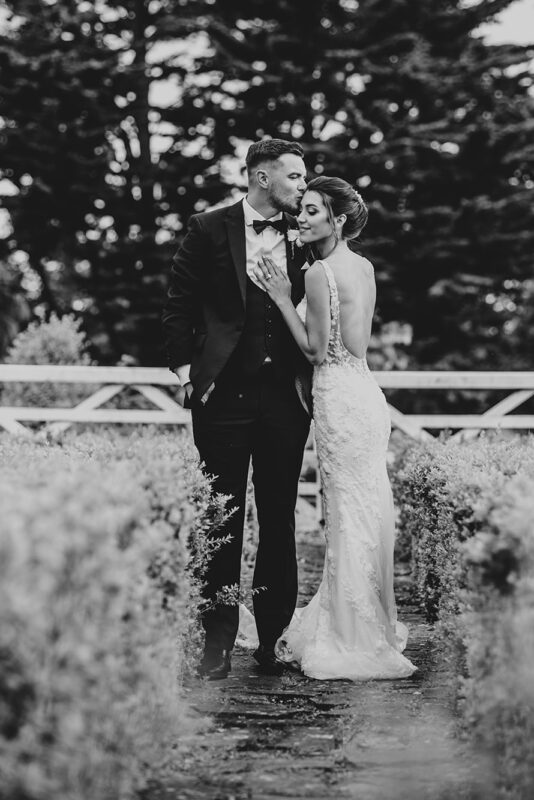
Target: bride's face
{"x": 313, "y": 221}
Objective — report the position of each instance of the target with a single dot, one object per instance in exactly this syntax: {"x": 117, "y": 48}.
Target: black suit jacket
{"x": 206, "y": 302}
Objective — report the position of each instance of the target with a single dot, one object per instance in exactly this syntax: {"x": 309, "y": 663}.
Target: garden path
{"x": 292, "y": 737}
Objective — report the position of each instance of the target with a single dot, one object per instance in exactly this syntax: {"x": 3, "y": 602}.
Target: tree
{"x": 93, "y": 212}
{"x": 433, "y": 124}
{"x": 57, "y": 103}
{"x": 403, "y": 99}
{"x": 14, "y": 308}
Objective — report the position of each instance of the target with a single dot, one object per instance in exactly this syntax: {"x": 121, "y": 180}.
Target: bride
{"x": 349, "y": 629}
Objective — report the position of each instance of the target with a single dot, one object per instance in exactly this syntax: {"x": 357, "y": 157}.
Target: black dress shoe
{"x": 268, "y": 663}
{"x": 215, "y": 665}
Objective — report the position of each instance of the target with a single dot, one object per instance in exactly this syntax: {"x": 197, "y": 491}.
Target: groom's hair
{"x": 270, "y": 150}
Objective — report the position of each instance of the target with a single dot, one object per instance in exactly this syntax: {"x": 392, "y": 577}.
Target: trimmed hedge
{"x": 96, "y": 597}
{"x": 57, "y": 341}
{"x": 466, "y": 513}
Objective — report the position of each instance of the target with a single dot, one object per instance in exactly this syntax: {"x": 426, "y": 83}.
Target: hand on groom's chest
{"x": 267, "y": 241}
{"x": 246, "y": 246}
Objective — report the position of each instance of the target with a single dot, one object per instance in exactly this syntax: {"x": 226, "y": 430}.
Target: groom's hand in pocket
{"x": 183, "y": 396}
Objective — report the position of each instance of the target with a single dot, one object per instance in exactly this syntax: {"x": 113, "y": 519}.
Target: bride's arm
{"x": 312, "y": 338}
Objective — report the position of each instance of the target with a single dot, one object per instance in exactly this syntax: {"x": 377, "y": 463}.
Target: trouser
{"x": 258, "y": 417}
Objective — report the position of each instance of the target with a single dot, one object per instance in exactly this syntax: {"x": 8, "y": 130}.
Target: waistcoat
{"x": 265, "y": 336}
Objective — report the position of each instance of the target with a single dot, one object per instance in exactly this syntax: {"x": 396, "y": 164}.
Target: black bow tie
{"x": 260, "y": 224}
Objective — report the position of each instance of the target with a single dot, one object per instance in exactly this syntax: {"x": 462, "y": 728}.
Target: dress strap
{"x": 334, "y": 297}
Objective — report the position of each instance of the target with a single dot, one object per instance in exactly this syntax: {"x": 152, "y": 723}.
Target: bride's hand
{"x": 273, "y": 280}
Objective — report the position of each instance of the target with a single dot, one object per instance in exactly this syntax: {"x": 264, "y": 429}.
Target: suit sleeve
{"x": 182, "y": 308}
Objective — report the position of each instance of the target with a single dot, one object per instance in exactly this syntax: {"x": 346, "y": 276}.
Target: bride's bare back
{"x": 356, "y": 287}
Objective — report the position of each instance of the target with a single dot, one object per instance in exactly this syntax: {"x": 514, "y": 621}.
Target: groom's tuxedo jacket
{"x": 210, "y": 298}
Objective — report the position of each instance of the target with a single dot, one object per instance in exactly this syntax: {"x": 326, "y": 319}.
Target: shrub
{"x": 499, "y": 631}
{"x": 95, "y": 599}
{"x": 437, "y": 488}
{"x": 58, "y": 341}
{"x": 467, "y": 512}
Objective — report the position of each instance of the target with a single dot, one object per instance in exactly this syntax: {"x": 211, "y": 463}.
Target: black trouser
{"x": 259, "y": 417}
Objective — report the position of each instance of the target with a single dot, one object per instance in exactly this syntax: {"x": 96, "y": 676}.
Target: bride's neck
{"x": 327, "y": 247}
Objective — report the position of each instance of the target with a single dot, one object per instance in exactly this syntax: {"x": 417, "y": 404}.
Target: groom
{"x": 237, "y": 363}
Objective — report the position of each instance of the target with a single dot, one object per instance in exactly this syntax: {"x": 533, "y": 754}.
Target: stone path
{"x": 293, "y": 737}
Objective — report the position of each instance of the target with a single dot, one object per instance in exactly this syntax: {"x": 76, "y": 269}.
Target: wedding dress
{"x": 350, "y": 629}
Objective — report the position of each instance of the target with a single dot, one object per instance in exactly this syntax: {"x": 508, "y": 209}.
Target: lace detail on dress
{"x": 337, "y": 352}
{"x": 349, "y": 629}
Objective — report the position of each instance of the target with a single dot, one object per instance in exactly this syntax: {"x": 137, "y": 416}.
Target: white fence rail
{"x": 147, "y": 381}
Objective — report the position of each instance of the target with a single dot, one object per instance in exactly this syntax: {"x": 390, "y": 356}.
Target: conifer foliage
{"x": 406, "y": 100}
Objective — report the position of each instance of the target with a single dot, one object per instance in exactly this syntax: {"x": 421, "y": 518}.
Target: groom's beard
{"x": 291, "y": 205}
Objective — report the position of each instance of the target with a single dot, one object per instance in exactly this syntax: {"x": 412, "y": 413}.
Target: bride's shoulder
{"x": 363, "y": 263}
{"x": 316, "y": 281}
{"x": 314, "y": 269}
{"x": 315, "y": 266}
{"x": 315, "y": 274}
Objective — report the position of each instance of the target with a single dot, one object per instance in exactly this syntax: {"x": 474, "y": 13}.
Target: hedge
{"x": 56, "y": 341}
{"x": 466, "y": 513}
{"x": 99, "y": 539}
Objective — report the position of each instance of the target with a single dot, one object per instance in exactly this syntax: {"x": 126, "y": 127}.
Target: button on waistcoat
{"x": 265, "y": 336}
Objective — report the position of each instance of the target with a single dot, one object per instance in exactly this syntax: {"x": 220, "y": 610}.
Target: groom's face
{"x": 287, "y": 182}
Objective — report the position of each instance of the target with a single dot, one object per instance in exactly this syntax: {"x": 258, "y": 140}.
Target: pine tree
{"x": 406, "y": 101}
{"x": 14, "y": 308}
{"x": 96, "y": 210}
{"x": 399, "y": 97}
{"x": 57, "y": 102}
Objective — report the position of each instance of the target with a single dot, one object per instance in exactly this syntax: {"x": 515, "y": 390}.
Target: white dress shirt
{"x": 269, "y": 241}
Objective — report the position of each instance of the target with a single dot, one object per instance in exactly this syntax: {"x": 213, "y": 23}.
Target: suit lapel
{"x": 235, "y": 226}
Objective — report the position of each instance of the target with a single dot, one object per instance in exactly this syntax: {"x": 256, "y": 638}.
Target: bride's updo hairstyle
{"x": 340, "y": 197}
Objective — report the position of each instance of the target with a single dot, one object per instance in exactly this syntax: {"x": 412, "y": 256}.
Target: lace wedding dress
{"x": 350, "y": 629}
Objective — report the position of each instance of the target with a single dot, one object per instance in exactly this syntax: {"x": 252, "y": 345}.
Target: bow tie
{"x": 279, "y": 225}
